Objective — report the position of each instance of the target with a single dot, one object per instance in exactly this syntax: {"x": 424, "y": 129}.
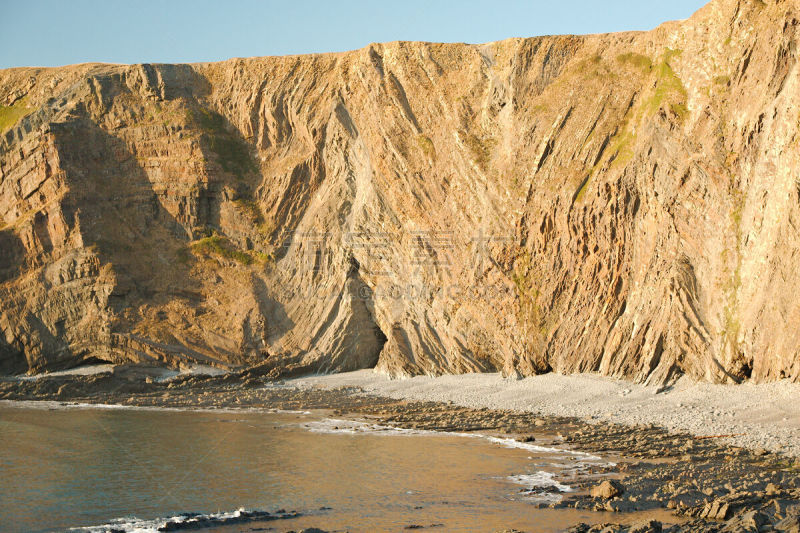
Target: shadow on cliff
{"x": 120, "y": 215}
{"x": 280, "y": 323}
{"x": 233, "y": 169}
{"x": 12, "y": 256}
{"x": 113, "y": 203}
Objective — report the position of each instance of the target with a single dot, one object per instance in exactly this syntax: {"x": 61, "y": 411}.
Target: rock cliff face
{"x": 625, "y": 203}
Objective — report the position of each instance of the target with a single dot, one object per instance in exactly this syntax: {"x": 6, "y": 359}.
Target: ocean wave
{"x": 52, "y": 405}
{"x": 334, "y": 425}
{"x": 540, "y": 480}
{"x": 540, "y": 487}
{"x": 512, "y": 443}
{"x": 354, "y": 427}
{"x": 186, "y": 521}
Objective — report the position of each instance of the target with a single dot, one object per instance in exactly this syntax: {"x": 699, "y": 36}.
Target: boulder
{"x": 608, "y": 489}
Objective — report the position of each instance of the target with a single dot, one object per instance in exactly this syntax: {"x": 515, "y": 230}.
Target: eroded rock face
{"x": 622, "y": 203}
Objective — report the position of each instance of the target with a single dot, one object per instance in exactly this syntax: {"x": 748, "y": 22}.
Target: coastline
{"x": 757, "y": 416}
{"x": 703, "y": 480}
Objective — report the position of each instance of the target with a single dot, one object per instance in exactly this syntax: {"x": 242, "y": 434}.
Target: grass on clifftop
{"x": 639, "y": 61}
{"x": 11, "y": 115}
{"x": 668, "y": 87}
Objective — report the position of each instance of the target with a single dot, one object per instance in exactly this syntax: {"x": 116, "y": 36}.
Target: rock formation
{"x": 625, "y": 203}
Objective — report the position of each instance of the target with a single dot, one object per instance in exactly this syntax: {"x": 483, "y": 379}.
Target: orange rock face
{"x": 625, "y": 203}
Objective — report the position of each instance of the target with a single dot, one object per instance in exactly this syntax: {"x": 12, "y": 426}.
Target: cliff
{"x": 625, "y": 203}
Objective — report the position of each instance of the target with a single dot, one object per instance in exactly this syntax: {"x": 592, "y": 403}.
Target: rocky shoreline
{"x": 705, "y": 483}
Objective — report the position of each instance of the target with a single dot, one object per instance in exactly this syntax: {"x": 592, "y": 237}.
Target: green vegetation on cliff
{"x": 220, "y": 246}
{"x": 669, "y": 89}
{"x": 11, "y": 115}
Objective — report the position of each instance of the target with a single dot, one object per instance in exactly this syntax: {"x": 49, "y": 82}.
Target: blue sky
{"x": 58, "y": 32}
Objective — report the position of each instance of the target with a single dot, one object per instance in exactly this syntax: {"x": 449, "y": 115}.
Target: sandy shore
{"x": 758, "y": 415}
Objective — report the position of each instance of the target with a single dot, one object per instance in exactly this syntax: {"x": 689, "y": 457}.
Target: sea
{"x": 71, "y": 467}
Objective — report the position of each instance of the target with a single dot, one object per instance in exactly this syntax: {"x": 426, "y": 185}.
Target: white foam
{"x": 541, "y": 487}
{"x": 128, "y": 525}
{"x": 137, "y": 525}
{"x": 56, "y": 405}
{"x": 541, "y": 480}
{"x": 512, "y": 443}
{"x": 354, "y": 427}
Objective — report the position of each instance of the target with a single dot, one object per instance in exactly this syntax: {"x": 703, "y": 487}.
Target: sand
{"x": 757, "y": 415}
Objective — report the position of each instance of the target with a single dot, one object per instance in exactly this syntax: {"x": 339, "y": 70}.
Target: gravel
{"x": 750, "y": 415}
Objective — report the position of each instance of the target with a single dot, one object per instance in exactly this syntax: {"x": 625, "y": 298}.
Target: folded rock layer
{"x": 627, "y": 204}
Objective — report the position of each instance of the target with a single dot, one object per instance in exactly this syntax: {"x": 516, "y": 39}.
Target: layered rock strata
{"x": 625, "y": 204}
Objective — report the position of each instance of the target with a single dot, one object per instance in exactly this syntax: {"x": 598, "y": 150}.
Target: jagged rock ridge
{"x": 623, "y": 203}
